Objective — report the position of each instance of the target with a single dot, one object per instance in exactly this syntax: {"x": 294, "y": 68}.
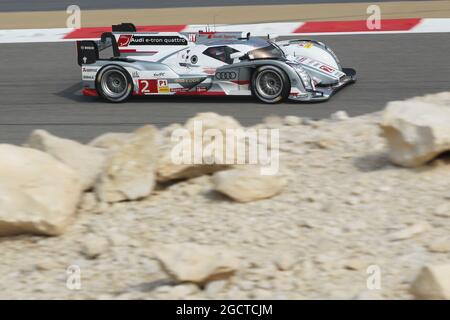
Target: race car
{"x": 208, "y": 63}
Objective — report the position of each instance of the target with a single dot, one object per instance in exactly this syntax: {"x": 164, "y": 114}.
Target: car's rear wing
{"x": 88, "y": 51}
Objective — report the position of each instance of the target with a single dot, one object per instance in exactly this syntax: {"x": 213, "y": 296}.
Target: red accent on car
{"x": 241, "y": 82}
{"x": 134, "y": 50}
{"x": 124, "y": 40}
{"x": 356, "y": 26}
{"x": 201, "y": 93}
{"x": 90, "y": 92}
{"x": 148, "y": 86}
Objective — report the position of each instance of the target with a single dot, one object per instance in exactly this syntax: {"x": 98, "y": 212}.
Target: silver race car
{"x": 208, "y": 63}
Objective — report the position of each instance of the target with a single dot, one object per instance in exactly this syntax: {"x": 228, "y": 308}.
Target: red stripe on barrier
{"x": 356, "y": 26}
{"x": 96, "y": 32}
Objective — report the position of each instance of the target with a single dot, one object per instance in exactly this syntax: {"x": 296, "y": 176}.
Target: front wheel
{"x": 270, "y": 84}
{"x": 114, "y": 83}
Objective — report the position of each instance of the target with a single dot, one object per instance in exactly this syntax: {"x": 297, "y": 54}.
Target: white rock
{"x": 39, "y": 194}
{"x": 292, "y": 120}
{"x": 87, "y": 161}
{"x": 441, "y": 245}
{"x": 211, "y": 120}
{"x": 246, "y": 184}
{"x": 369, "y": 295}
{"x": 129, "y": 173}
{"x": 20, "y": 213}
{"x": 214, "y": 287}
{"x": 285, "y": 261}
{"x": 441, "y": 98}
{"x": 416, "y": 132}
{"x": 355, "y": 264}
{"x": 182, "y": 291}
{"x": 410, "y": 232}
{"x": 167, "y": 170}
{"x": 339, "y": 116}
{"x": 199, "y": 164}
{"x": 110, "y": 140}
{"x": 443, "y": 210}
{"x": 433, "y": 282}
{"x": 88, "y": 202}
{"x": 273, "y": 121}
{"x": 188, "y": 262}
{"x": 93, "y": 246}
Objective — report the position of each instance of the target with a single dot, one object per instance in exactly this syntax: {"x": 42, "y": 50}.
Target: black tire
{"x": 270, "y": 84}
{"x": 114, "y": 83}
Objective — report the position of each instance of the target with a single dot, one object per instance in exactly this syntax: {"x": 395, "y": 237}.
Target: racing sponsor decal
{"x": 88, "y": 73}
{"x": 201, "y": 89}
{"x": 88, "y": 77}
{"x": 150, "y": 86}
{"x": 189, "y": 82}
{"x": 147, "y": 86}
{"x": 135, "y": 74}
{"x": 326, "y": 68}
{"x": 179, "y": 89}
{"x": 226, "y": 75}
{"x": 159, "y": 74}
{"x": 87, "y": 69}
{"x": 137, "y": 40}
{"x": 306, "y": 45}
{"x": 192, "y": 37}
{"x": 124, "y": 40}
{"x": 163, "y": 86}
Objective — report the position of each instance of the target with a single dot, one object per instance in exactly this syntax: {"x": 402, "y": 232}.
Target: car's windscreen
{"x": 270, "y": 51}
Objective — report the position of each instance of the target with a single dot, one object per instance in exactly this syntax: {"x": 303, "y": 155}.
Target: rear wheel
{"x": 270, "y": 84}
{"x": 114, "y": 84}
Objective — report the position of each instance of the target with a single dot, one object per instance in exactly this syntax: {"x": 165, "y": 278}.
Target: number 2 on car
{"x": 153, "y": 86}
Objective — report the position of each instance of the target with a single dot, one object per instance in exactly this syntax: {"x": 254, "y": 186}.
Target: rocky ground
{"x": 344, "y": 207}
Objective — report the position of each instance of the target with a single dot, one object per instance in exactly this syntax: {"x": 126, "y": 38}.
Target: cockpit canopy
{"x": 224, "y": 53}
{"x": 268, "y": 52}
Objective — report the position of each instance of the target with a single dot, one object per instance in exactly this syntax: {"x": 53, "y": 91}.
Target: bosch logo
{"x": 226, "y": 75}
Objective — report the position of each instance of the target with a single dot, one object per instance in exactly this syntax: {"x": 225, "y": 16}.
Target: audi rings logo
{"x": 226, "y": 75}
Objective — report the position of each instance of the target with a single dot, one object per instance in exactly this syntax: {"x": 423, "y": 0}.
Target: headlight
{"x": 306, "y": 79}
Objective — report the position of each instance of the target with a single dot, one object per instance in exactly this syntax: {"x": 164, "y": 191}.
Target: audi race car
{"x": 208, "y": 63}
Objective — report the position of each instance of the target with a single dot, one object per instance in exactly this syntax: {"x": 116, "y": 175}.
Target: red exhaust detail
{"x": 90, "y": 92}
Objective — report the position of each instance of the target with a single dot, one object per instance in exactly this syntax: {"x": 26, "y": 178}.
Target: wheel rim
{"x": 114, "y": 83}
{"x": 269, "y": 84}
